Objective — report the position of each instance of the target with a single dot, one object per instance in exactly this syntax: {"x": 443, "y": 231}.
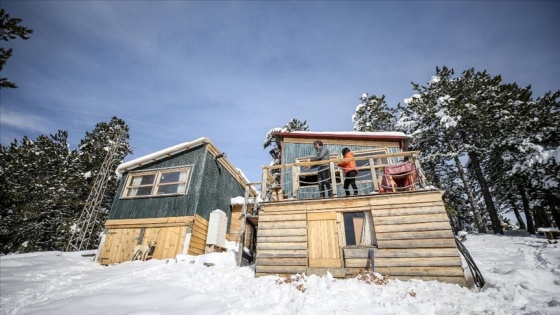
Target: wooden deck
{"x": 411, "y": 231}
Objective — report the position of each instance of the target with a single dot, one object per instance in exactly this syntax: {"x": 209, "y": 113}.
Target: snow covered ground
{"x": 522, "y": 276}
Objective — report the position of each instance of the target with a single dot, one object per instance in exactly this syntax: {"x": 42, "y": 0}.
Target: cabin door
{"x": 322, "y": 240}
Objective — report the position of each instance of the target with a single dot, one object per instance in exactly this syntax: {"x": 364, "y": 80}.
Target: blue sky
{"x": 232, "y": 70}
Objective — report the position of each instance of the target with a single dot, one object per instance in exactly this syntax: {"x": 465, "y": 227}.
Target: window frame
{"x": 348, "y": 224}
{"x": 158, "y": 182}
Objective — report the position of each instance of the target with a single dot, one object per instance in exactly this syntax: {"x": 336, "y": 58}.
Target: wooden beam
{"x": 282, "y": 253}
{"x": 421, "y": 271}
{"x": 277, "y": 261}
{"x": 411, "y": 227}
{"x": 149, "y": 222}
{"x": 413, "y": 235}
{"x": 417, "y": 252}
{"x": 282, "y": 232}
{"x": 427, "y": 243}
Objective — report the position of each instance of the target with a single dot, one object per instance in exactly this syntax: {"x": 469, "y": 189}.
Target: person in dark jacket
{"x": 324, "y": 173}
{"x": 350, "y": 172}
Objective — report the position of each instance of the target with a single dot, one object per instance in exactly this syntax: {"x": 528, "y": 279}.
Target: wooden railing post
{"x": 333, "y": 180}
{"x": 373, "y": 174}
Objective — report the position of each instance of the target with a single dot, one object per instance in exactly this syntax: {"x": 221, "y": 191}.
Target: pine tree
{"x": 36, "y": 202}
{"x": 10, "y": 29}
{"x": 373, "y": 114}
{"x": 93, "y": 151}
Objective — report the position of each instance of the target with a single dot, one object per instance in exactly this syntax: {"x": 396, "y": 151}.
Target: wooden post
{"x": 264, "y": 183}
{"x": 333, "y": 180}
{"x": 295, "y": 181}
{"x": 373, "y": 174}
{"x": 242, "y": 230}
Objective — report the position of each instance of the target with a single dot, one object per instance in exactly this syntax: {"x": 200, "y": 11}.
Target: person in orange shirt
{"x": 350, "y": 172}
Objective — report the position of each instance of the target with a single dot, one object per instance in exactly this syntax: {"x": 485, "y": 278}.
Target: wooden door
{"x": 322, "y": 240}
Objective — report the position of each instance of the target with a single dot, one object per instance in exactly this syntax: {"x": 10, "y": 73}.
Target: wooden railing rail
{"x": 268, "y": 181}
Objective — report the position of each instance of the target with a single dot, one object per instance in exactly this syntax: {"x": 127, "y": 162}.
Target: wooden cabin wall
{"x": 235, "y": 226}
{"x": 124, "y": 235}
{"x": 166, "y": 206}
{"x": 411, "y": 230}
{"x": 216, "y": 189}
{"x": 294, "y": 148}
{"x": 197, "y": 245}
{"x": 281, "y": 241}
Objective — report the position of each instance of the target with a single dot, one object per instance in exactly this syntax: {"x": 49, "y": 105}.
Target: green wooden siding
{"x": 216, "y": 189}
{"x": 211, "y": 187}
{"x": 292, "y": 151}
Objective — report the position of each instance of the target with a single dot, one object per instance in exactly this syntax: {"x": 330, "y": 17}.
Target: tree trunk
{"x": 554, "y": 211}
{"x": 520, "y": 221}
{"x": 526, "y": 209}
{"x": 496, "y": 224}
{"x": 477, "y": 217}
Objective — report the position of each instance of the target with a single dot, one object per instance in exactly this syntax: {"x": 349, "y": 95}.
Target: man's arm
{"x": 321, "y": 155}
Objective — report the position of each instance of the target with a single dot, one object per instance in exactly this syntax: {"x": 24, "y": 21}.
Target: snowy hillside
{"x": 522, "y": 276}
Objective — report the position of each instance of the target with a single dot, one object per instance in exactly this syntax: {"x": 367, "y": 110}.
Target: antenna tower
{"x": 85, "y": 226}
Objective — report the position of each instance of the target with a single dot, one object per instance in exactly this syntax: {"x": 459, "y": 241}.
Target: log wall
{"x": 412, "y": 231}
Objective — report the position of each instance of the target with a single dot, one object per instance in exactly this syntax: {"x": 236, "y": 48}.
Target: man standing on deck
{"x": 324, "y": 174}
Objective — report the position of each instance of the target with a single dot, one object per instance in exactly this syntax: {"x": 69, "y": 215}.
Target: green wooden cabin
{"x": 396, "y": 226}
{"x": 167, "y": 197}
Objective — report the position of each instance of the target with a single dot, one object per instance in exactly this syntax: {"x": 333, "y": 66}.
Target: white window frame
{"x": 158, "y": 182}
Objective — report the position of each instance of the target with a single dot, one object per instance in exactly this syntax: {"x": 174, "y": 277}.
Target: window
{"x": 157, "y": 182}
{"x": 358, "y": 228}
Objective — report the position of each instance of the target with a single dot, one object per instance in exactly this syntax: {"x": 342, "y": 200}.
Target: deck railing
{"x": 378, "y": 173}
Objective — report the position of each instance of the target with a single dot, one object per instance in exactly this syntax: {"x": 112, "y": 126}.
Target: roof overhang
{"x": 349, "y": 135}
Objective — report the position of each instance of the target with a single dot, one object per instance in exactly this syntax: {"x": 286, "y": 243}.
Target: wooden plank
{"x": 281, "y": 261}
{"x": 282, "y": 217}
{"x": 414, "y": 235}
{"x": 199, "y": 234}
{"x": 421, "y": 271}
{"x": 423, "y": 218}
{"x": 419, "y": 262}
{"x": 282, "y": 225}
{"x": 200, "y": 220}
{"x": 407, "y": 206}
{"x": 197, "y": 245}
{"x": 279, "y": 232}
{"x": 282, "y": 239}
{"x": 280, "y": 269}
{"x": 321, "y": 216}
{"x": 330, "y": 205}
{"x": 356, "y": 263}
{"x": 168, "y": 221}
{"x": 261, "y": 245}
{"x": 406, "y": 198}
{"x": 325, "y": 262}
{"x": 289, "y": 253}
{"x": 417, "y": 252}
{"x": 411, "y": 227}
{"x": 427, "y": 243}
{"x": 407, "y": 211}
{"x": 336, "y": 272}
{"x": 358, "y": 252}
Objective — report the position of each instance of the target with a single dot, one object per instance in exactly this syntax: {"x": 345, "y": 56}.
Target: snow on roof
{"x": 379, "y": 134}
{"x": 152, "y": 157}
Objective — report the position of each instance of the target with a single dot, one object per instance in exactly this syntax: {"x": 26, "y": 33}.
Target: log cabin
{"x": 167, "y": 197}
{"x": 396, "y": 225}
